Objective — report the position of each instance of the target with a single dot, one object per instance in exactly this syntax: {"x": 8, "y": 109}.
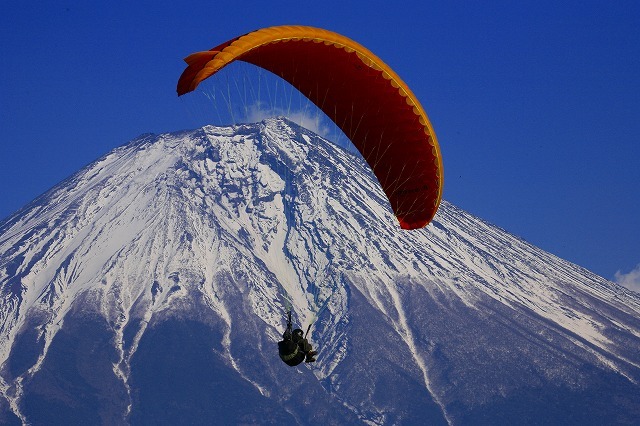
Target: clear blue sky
{"x": 536, "y": 104}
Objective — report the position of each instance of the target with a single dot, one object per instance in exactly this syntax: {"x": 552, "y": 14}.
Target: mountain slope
{"x": 152, "y": 286}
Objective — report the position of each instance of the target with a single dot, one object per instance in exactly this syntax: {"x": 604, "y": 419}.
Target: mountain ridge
{"x": 214, "y": 232}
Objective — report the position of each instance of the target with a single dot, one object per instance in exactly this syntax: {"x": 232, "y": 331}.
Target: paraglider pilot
{"x": 294, "y": 347}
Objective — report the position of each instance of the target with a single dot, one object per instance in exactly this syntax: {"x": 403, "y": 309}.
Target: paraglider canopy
{"x": 365, "y": 98}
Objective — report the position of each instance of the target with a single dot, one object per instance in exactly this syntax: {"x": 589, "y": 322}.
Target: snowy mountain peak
{"x": 197, "y": 242}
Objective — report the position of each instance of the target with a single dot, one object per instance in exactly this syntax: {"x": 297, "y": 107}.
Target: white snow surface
{"x": 156, "y": 221}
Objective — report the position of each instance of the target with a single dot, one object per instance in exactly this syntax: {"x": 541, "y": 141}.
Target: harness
{"x": 291, "y": 355}
{"x": 289, "y": 332}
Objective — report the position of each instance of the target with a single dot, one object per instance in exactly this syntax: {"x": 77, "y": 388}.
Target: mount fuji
{"x": 151, "y": 287}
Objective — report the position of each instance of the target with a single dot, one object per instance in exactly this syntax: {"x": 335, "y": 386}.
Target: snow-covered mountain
{"x": 151, "y": 288}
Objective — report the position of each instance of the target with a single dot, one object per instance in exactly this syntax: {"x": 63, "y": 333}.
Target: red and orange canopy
{"x": 360, "y": 93}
